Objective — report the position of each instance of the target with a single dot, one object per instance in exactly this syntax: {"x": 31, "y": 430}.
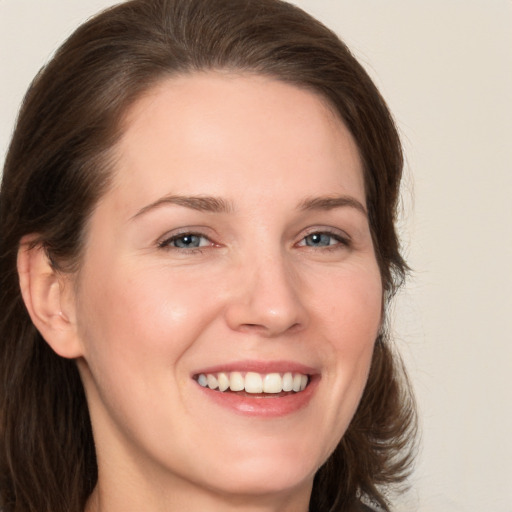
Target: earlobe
{"x": 47, "y": 294}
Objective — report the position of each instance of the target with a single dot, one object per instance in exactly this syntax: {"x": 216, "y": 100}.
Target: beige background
{"x": 445, "y": 67}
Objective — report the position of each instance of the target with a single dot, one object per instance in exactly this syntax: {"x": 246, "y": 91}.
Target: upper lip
{"x": 259, "y": 367}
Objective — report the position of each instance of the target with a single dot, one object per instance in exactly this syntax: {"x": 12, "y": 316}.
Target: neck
{"x": 106, "y": 498}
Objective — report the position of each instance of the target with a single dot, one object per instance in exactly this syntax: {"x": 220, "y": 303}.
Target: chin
{"x": 267, "y": 485}
{"x": 264, "y": 475}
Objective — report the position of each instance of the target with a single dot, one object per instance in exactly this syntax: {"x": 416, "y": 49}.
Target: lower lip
{"x": 263, "y": 405}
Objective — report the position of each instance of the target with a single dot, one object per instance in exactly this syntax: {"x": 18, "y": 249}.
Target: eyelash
{"x": 342, "y": 241}
{"x": 166, "y": 244}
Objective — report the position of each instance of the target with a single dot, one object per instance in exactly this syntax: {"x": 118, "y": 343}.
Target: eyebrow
{"x": 332, "y": 202}
{"x": 200, "y": 203}
{"x": 218, "y": 205}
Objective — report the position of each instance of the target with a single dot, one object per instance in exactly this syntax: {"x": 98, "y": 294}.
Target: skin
{"x": 148, "y": 315}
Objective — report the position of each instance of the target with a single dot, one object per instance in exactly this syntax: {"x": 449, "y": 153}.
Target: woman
{"x": 198, "y": 247}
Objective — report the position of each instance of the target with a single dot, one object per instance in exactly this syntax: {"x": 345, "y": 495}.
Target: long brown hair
{"x": 58, "y": 166}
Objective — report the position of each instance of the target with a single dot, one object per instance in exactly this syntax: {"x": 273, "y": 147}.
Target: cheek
{"x": 127, "y": 318}
{"x": 349, "y": 304}
{"x": 136, "y": 331}
{"x": 351, "y": 317}
{"x": 360, "y": 315}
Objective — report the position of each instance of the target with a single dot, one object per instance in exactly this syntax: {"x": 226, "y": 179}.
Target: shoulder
{"x": 368, "y": 508}
{"x": 368, "y": 505}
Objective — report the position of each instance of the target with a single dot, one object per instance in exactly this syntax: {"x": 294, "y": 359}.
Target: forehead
{"x": 214, "y": 128}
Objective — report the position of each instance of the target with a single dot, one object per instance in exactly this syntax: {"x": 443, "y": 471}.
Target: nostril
{"x": 270, "y": 329}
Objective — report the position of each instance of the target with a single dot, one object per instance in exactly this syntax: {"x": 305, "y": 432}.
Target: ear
{"x": 49, "y": 299}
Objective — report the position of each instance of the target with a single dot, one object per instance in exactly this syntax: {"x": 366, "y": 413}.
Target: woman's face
{"x": 233, "y": 249}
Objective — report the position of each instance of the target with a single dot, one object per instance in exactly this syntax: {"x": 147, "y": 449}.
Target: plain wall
{"x": 445, "y": 68}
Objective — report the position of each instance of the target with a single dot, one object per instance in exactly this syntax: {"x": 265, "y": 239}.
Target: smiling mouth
{"x": 252, "y": 383}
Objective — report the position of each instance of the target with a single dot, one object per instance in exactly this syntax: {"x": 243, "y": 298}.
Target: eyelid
{"x": 342, "y": 236}
{"x": 164, "y": 242}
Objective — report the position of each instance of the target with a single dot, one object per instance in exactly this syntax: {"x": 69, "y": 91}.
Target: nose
{"x": 267, "y": 300}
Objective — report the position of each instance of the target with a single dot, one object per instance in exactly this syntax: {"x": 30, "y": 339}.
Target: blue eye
{"x": 321, "y": 240}
{"x": 186, "y": 241}
{"x": 325, "y": 240}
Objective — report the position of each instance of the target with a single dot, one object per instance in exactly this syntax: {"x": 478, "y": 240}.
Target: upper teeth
{"x": 252, "y": 382}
